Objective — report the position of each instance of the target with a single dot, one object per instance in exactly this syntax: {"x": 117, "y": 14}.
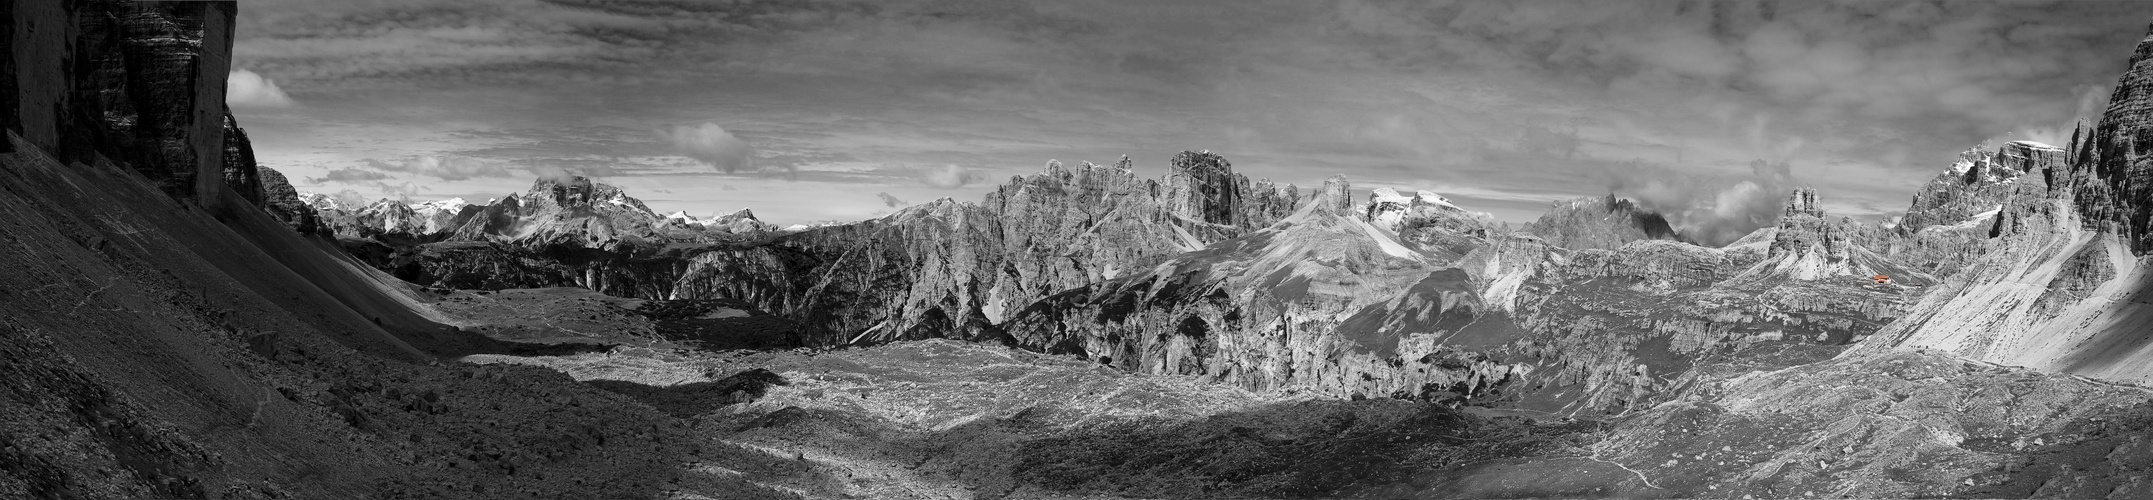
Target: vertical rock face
{"x": 241, "y": 174}
{"x": 1335, "y": 198}
{"x": 1599, "y": 223}
{"x": 1202, "y": 186}
{"x": 147, "y": 91}
{"x": 2113, "y": 186}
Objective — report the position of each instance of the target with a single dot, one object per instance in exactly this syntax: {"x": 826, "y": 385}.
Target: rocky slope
{"x": 1323, "y": 301}
{"x": 161, "y": 336}
{"x": 1620, "y": 330}
{"x": 2065, "y": 286}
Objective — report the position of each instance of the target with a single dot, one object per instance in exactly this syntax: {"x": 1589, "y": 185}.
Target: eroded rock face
{"x": 2112, "y": 182}
{"x": 1599, "y": 223}
{"x": 1949, "y": 222}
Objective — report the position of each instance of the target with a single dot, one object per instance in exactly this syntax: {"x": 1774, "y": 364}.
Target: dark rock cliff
{"x": 144, "y": 85}
{"x": 161, "y": 336}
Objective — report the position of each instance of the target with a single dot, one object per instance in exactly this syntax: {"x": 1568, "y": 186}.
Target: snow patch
{"x": 1971, "y": 222}
{"x": 1189, "y": 243}
{"x": 1384, "y": 242}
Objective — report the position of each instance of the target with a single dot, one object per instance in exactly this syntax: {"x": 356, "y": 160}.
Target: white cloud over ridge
{"x": 245, "y": 89}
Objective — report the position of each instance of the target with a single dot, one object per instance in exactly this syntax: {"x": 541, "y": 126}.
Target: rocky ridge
{"x": 1322, "y": 301}
{"x": 1599, "y": 223}
{"x": 2065, "y": 284}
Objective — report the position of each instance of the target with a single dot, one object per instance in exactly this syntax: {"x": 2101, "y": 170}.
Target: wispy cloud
{"x": 348, "y": 176}
{"x": 441, "y": 167}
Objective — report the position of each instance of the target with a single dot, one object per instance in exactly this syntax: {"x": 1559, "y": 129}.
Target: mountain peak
{"x": 1803, "y": 201}
{"x": 1335, "y": 197}
{"x": 1604, "y": 222}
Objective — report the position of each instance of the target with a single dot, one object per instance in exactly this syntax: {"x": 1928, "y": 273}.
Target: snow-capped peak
{"x": 2036, "y": 145}
{"x": 683, "y": 218}
{"x": 1388, "y": 195}
{"x": 448, "y": 205}
{"x": 1426, "y": 196}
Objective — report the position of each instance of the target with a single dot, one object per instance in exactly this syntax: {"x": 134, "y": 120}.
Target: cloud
{"x": 947, "y": 176}
{"x": 402, "y": 192}
{"x": 350, "y": 198}
{"x": 245, "y": 89}
{"x": 349, "y": 176}
{"x": 710, "y": 144}
{"x": 1711, "y": 209}
{"x": 1872, "y": 95}
{"x": 891, "y": 201}
{"x": 448, "y": 168}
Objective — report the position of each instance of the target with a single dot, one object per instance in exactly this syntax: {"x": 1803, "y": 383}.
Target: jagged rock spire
{"x": 1335, "y": 197}
{"x": 1803, "y": 201}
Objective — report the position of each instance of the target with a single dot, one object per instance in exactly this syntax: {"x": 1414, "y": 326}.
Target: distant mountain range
{"x": 181, "y": 323}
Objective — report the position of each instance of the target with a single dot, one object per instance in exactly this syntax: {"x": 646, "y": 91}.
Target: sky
{"x": 833, "y": 110}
